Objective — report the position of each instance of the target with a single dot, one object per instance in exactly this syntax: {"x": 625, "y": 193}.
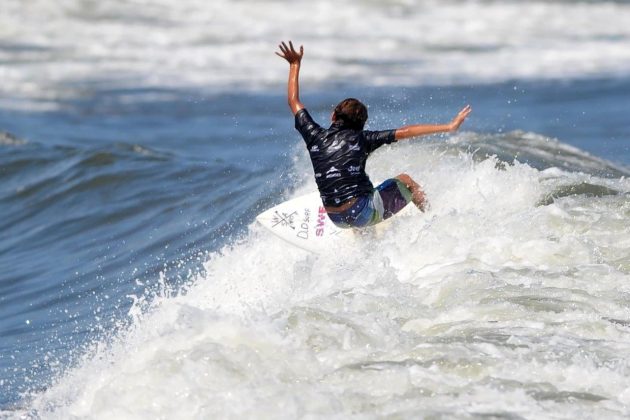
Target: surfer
{"x": 339, "y": 154}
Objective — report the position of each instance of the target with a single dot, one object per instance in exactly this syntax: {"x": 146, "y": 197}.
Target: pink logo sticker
{"x": 321, "y": 218}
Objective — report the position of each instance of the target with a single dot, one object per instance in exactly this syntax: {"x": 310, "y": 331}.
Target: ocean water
{"x": 138, "y": 141}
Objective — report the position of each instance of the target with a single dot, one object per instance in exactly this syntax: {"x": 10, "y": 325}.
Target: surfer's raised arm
{"x": 294, "y": 58}
{"x": 422, "y": 130}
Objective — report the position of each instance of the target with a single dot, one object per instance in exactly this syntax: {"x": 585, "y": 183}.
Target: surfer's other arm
{"x": 423, "y": 130}
{"x": 294, "y": 58}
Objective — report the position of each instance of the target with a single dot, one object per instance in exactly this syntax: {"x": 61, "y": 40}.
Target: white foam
{"x": 66, "y": 48}
{"x": 486, "y": 304}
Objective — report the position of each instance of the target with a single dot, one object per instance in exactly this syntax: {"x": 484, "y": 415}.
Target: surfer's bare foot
{"x": 422, "y": 205}
{"x": 419, "y": 200}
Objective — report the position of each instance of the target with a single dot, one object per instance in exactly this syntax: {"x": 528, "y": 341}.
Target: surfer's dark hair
{"x": 352, "y": 112}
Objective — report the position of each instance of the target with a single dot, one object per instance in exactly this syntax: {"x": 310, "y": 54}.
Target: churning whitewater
{"x": 509, "y": 298}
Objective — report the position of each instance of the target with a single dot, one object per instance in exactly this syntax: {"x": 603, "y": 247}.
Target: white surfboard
{"x": 303, "y": 222}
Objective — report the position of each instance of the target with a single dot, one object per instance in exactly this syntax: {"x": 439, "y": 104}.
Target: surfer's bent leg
{"x": 388, "y": 198}
{"x": 398, "y": 192}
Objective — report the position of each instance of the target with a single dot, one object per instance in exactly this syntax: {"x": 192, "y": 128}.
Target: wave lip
{"x": 538, "y": 151}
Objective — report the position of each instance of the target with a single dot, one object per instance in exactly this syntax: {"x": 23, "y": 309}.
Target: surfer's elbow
{"x": 295, "y": 105}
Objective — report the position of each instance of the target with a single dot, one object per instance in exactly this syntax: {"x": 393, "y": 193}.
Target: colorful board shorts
{"x": 386, "y": 200}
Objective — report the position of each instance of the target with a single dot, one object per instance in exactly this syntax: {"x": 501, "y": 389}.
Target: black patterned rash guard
{"x": 338, "y": 155}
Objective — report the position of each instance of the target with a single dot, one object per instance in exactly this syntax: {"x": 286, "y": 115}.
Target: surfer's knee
{"x": 408, "y": 181}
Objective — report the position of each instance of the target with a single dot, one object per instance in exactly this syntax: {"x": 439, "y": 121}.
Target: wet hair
{"x": 352, "y": 112}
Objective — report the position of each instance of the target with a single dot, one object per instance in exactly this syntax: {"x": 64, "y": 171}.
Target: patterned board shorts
{"x": 386, "y": 200}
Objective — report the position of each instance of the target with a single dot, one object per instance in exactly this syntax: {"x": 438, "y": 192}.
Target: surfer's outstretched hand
{"x": 459, "y": 118}
{"x": 289, "y": 53}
